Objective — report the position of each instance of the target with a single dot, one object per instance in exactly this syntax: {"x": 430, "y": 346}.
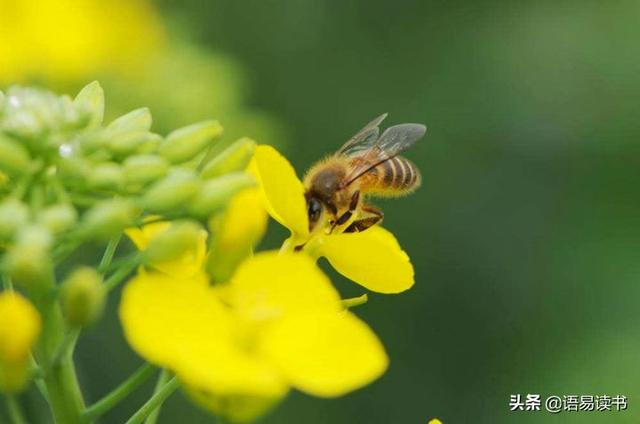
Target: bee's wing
{"x": 364, "y": 139}
{"x": 391, "y": 143}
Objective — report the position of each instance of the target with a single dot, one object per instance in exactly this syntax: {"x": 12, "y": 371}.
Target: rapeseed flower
{"x": 372, "y": 258}
{"x": 238, "y": 348}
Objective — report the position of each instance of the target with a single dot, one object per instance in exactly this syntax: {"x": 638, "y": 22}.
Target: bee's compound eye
{"x": 314, "y": 209}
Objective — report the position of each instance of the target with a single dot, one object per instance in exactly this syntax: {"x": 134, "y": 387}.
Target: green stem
{"x": 66, "y": 346}
{"x": 162, "y": 380}
{"x": 108, "y": 254}
{"x": 15, "y": 410}
{"x": 154, "y": 402}
{"x": 39, "y": 378}
{"x": 118, "y": 394}
{"x": 65, "y": 249}
{"x": 65, "y": 398}
{"x": 122, "y": 273}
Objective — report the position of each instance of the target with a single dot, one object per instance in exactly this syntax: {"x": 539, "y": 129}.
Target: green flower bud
{"x": 142, "y": 169}
{"x": 28, "y": 261}
{"x": 107, "y": 175}
{"x": 13, "y": 215}
{"x": 184, "y": 143}
{"x": 150, "y": 145}
{"x": 126, "y": 143}
{"x": 171, "y": 192}
{"x": 216, "y": 193}
{"x": 108, "y": 218}
{"x": 90, "y": 100}
{"x": 14, "y": 157}
{"x": 179, "y": 238}
{"x": 234, "y": 158}
{"x": 58, "y": 218}
{"x": 136, "y": 120}
{"x": 83, "y": 297}
{"x": 74, "y": 169}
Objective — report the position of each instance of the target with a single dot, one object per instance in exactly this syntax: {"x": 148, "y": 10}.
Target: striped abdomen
{"x": 395, "y": 177}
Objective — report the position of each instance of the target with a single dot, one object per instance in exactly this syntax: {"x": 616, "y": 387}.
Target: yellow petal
{"x": 244, "y": 222}
{"x": 186, "y": 265}
{"x": 162, "y": 316}
{"x": 326, "y": 354}
{"x": 19, "y": 326}
{"x": 142, "y": 236}
{"x": 270, "y": 285}
{"x": 19, "y": 329}
{"x": 182, "y": 325}
{"x": 283, "y": 191}
{"x": 237, "y": 408}
{"x": 236, "y": 233}
{"x": 372, "y": 258}
{"x": 226, "y": 370}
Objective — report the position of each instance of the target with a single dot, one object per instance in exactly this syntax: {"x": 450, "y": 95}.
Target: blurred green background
{"x": 525, "y": 234}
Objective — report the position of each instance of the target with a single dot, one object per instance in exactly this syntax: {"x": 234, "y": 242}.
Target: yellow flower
{"x": 19, "y": 329}
{"x": 277, "y": 324}
{"x": 186, "y": 264}
{"x": 68, "y": 40}
{"x": 372, "y": 258}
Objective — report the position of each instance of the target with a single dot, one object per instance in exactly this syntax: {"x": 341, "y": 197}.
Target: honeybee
{"x": 367, "y": 165}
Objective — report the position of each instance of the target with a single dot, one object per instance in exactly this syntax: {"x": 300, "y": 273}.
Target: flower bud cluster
{"x": 67, "y": 176}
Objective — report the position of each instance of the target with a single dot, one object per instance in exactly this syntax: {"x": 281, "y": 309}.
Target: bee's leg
{"x": 353, "y": 204}
{"x": 364, "y": 223}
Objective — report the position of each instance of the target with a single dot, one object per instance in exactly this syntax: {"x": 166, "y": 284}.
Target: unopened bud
{"x": 106, "y": 176}
{"x": 108, "y": 218}
{"x": 83, "y": 297}
{"x": 172, "y": 243}
{"x": 14, "y": 157}
{"x": 216, "y": 193}
{"x": 20, "y": 326}
{"x": 142, "y": 169}
{"x": 173, "y": 191}
{"x": 130, "y": 142}
{"x": 58, "y": 218}
{"x": 28, "y": 260}
{"x": 136, "y": 120}
{"x": 234, "y": 158}
{"x": 90, "y": 100}
{"x": 149, "y": 146}
{"x": 184, "y": 143}
{"x": 13, "y": 215}
{"x": 74, "y": 168}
